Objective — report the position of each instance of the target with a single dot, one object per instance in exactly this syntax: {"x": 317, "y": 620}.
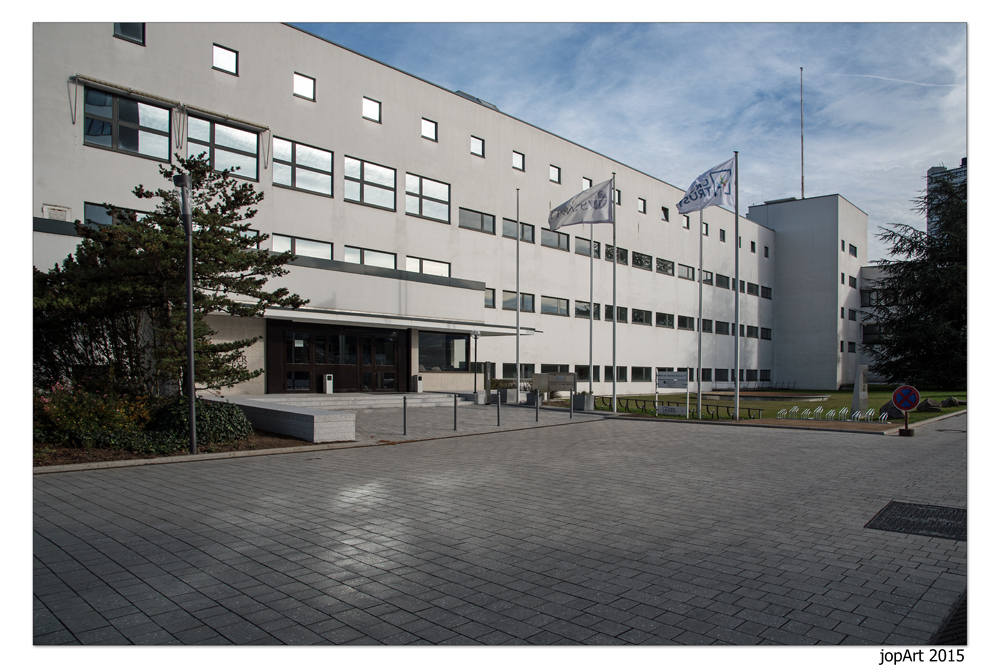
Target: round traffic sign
{"x": 905, "y": 398}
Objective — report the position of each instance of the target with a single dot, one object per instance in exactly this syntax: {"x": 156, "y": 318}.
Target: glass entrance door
{"x": 378, "y": 363}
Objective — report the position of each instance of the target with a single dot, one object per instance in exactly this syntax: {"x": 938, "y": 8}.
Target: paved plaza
{"x": 591, "y": 531}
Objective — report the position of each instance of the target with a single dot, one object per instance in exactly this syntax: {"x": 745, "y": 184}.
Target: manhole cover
{"x": 927, "y": 520}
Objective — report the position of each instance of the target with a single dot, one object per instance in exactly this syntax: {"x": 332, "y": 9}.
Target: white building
{"x": 957, "y": 175}
{"x": 400, "y": 199}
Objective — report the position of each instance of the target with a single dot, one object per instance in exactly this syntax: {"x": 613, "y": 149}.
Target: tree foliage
{"x": 920, "y": 301}
{"x": 116, "y": 308}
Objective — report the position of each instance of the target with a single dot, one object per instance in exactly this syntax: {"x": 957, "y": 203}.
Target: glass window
{"x": 722, "y": 235}
{"x": 555, "y": 174}
{"x": 225, "y": 146}
{"x": 753, "y": 289}
{"x": 428, "y": 266}
{"x": 721, "y": 281}
{"x": 752, "y": 332}
{"x": 302, "y": 167}
{"x": 132, "y": 32}
{"x": 301, "y": 247}
{"x": 371, "y": 109}
{"x": 852, "y": 282}
{"x": 704, "y": 229}
{"x": 510, "y": 371}
{"x": 642, "y": 205}
{"x": 753, "y": 246}
{"x": 642, "y": 316}
{"x": 582, "y": 245}
{"x": 665, "y": 320}
{"x": 126, "y": 125}
{"x": 706, "y": 326}
{"x": 684, "y": 322}
{"x": 303, "y": 86}
{"x": 586, "y": 183}
{"x": 642, "y": 374}
{"x": 477, "y": 146}
{"x": 551, "y": 305}
{"x": 443, "y": 352}
{"x": 551, "y": 239}
{"x": 609, "y": 313}
{"x": 482, "y": 222}
{"x": 427, "y": 198}
{"x": 706, "y": 374}
{"x": 722, "y": 328}
{"x": 367, "y": 257}
{"x": 664, "y": 266}
{"x": 491, "y": 297}
{"x": 609, "y": 251}
{"x": 527, "y": 301}
{"x": 765, "y": 333}
{"x": 99, "y": 214}
{"x": 765, "y": 292}
{"x": 510, "y": 230}
{"x": 369, "y": 183}
{"x": 225, "y": 59}
{"x": 429, "y": 129}
{"x": 641, "y": 261}
{"x": 685, "y": 272}
{"x": 583, "y": 309}
{"x": 665, "y": 214}
{"x": 517, "y": 160}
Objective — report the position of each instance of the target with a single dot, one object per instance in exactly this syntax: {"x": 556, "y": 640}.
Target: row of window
{"x": 852, "y": 249}
{"x": 638, "y": 373}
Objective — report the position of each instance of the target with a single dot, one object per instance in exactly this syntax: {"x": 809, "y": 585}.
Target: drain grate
{"x": 926, "y": 520}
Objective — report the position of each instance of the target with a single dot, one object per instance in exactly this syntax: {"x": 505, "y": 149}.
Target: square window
{"x": 369, "y": 183}
{"x": 853, "y": 250}
{"x": 225, "y": 146}
{"x": 477, "y": 146}
{"x": 132, "y": 32}
{"x": 586, "y": 183}
{"x": 517, "y": 161}
{"x": 225, "y": 59}
{"x": 302, "y": 167}
{"x": 642, "y": 205}
{"x": 371, "y": 109}
{"x": 428, "y": 129}
{"x": 427, "y": 198}
{"x": 555, "y": 174}
{"x": 303, "y": 86}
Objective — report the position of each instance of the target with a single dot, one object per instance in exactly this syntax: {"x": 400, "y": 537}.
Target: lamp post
{"x": 475, "y": 363}
{"x": 183, "y": 181}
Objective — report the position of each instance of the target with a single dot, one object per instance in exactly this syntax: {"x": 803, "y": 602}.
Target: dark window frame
{"x": 561, "y": 306}
{"x": 434, "y": 124}
{"x": 120, "y": 34}
{"x": 421, "y": 197}
{"x": 294, "y": 165}
{"x": 481, "y": 228}
{"x": 362, "y": 182}
{"x": 482, "y": 146}
{"x": 223, "y": 69}
{"x": 642, "y": 261}
{"x": 561, "y": 239}
{"x": 117, "y": 124}
{"x": 212, "y": 145}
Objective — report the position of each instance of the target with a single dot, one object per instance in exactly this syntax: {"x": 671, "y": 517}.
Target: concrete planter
{"x": 583, "y": 402}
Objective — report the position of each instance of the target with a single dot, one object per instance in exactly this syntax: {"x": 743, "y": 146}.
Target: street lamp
{"x": 183, "y": 181}
{"x": 475, "y": 363}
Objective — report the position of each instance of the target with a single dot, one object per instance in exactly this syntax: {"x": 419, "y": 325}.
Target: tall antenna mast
{"x": 802, "y": 135}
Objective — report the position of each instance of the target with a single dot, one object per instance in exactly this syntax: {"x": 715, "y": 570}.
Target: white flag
{"x": 713, "y": 188}
{"x": 590, "y": 206}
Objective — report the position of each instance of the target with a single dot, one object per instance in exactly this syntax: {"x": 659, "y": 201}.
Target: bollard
{"x": 456, "y": 412}
{"x": 498, "y": 407}
{"x": 538, "y": 401}
{"x": 404, "y": 415}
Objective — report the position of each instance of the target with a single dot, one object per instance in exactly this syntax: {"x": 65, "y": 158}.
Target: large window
{"x": 301, "y": 247}
{"x": 722, "y": 328}
{"x": 642, "y": 374}
{"x": 553, "y": 239}
{"x": 527, "y": 301}
{"x": 426, "y": 198}
{"x": 620, "y": 376}
{"x": 765, "y": 292}
{"x": 510, "y": 371}
{"x": 753, "y": 289}
{"x": 99, "y": 214}
{"x": 367, "y": 257}
{"x": 443, "y": 352}
{"x": 428, "y": 266}
{"x": 226, "y": 147}
{"x": 641, "y": 261}
{"x": 303, "y": 167}
{"x": 127, "y": 125}
{"x": 481, "y": 222}
{"x": 551, "y": 305}
{"x": 369, "y": 183}
{"x": 721, "y": 281}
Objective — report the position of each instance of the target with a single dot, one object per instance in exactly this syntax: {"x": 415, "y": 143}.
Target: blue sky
{"x": 883, "y": 101}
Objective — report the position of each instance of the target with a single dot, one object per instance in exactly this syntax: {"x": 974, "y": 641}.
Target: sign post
{"x": 671, "y": 380}
{"x": 906, "y": 398}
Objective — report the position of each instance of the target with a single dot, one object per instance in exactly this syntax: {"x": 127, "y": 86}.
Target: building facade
{"x": 416, "y": 213}
{"x": 957, "y": 175}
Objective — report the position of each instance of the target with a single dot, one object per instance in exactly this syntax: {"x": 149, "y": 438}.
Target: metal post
{"x": 498, "y": 407}
{"x": 475, "y": 361}
{"x": 183, "y": 181}
{"x": 570, "y": 405}
{"x": 456, "y": 411}
{"x": 538, "y": 400}
{"x": 404, "y": 415}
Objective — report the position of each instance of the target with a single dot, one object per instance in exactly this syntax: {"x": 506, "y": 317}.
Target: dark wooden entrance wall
{"x": 300, "y": 356}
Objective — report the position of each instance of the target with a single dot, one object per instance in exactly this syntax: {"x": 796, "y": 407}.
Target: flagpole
{"x": 802, "y": 135}
{"x": 517, "y": 297}
{"x": 590, "y": 359}
{"x": 614, "y": 301}
{"x": 701, "y": 283}
{"x": 737, "y": 290}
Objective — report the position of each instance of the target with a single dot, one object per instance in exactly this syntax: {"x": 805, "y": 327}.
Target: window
{"x": 527, "y": 301}
{"x": 722, "y": 375}
{"x": 687, "y": 222}
{"x": 517, "y": 161}
{"x": 371, "y": 109}
{"x": 704, "y": 229}
{"x": 551, "y": 239}
{"x": 583, "y": 309}
{"x": 225, "y": 60}
{"x": 851, "y": 347}
{"x": 642, "y": 205}
{"x": 722, "y": 328}
{"x": 642, "y": 317}
{"x": 706, "y": 326}
{"x": 125, "y": 125}
{"x": 706, "y": 277}
{"x": 765, "y": 375}
{"x": 427, "y": 198}
{"x": 302, "y": 167}
{"x": 665, "y": 214}
{"x": 684, "y": 322}
{"x": 429, "y": 129}
{"x": 555, "y": 174}
{"x": 642, "y": 374}
{"x": 665, "y": 320}
{"x": 664, "y": 266}
{"x": 706, "y": 374}
{"x": 583, "y": 373}
{"x": 551, "y": 305}
{"x": 554, "y": 368}
{"x": 383, "y": 260}
{"x": 767, "y": 253}
{"x": 743, "y": 287}
{"x": 765, "y": 292}
{"x": 753, "y": 289}
{"x": 481, "y": 222}
{"x": 586, "y": 183}
{"x": 752, "y": 332}
{"x": 841, "y": 346}
{"x": 583, "y": 247}
{"x": 510, "y": 371}
{"x": 227, "y": 147}
{"x": 609, "y": 313}
{"x": 742, "y": 331}
{"x": 491, "y": 297}
{"x": 641, "y": 261}
{"x": 685, "y": 272}
{"x": 722, "y": 235}
{"x": 477, "y": 146}
{"x": 852, "y": 282}
{"x": 369, "y": 183}
{"x": 620, "y": 376}
{"x": 510, "y": 230}
{"x": 841, "y": 312}
{"x": 751, "y": 375}
{"x": 721, "y": 281}
{"x": 443, "y": 351}
{"x": 842, "y": 243}
{"x": 753, "y": 246}
{"x": 131, "y": 32}
{"x": 618, "y": 197}
{"x": 765, "y": 333}
{"x": 853, "y": 250}
{"x": 301, "y": 247}
{"x": 98, "y": 214}
{"x": 609, "y": 251}
{"x": 870, "y": 333}
{"x": 841, "y": 278}
{"x": 428, "y": 266}
{"x": 303, "y": 86}
{"x": 852, "y": 315}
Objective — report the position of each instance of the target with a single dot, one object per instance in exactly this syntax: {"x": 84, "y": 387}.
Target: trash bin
{"x": 418, "y": 384}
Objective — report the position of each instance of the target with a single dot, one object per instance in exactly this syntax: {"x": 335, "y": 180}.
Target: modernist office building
{"x": 416, "y": 212}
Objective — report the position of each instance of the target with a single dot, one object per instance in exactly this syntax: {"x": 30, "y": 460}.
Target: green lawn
{"x": 877, "y": 396}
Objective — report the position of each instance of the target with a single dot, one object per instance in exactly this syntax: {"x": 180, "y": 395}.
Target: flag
{"x": 590, "y": 206}
{"x": 713, "y": 188}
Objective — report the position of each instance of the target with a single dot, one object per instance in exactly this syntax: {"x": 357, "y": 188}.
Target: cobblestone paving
{"x": 592, "y": 532}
